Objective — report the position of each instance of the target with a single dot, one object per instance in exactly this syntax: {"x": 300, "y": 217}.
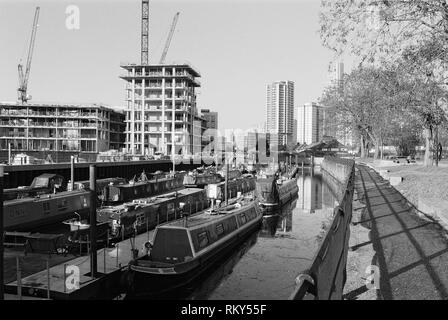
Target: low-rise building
{"x": 58, "y": 130}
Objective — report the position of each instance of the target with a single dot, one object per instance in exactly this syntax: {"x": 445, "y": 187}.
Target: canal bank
{"x": 400, "y": 254}
{"x": 425, "y": 188}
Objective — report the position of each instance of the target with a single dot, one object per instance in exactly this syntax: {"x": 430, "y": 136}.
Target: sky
{"x": 238, "y": 47}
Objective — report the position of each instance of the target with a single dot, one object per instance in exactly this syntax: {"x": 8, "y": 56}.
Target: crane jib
{"x": 23, "y": 78}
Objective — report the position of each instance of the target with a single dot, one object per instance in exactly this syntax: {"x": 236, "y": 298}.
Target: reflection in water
{"x": 209, "y": 283}
{"x": 314, "y": 193}
{"x": 279, "y": 223}
{"x": 265, "y": 265}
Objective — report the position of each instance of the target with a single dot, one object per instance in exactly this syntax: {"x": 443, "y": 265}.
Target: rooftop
{"x": 194, "y": 71}
{"x": 58, "y": 105}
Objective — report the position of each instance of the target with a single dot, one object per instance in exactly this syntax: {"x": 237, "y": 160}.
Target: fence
{"x": 326, "y": 277}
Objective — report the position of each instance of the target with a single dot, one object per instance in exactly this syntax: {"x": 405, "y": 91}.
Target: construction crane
{"x": 23, "y": 78}
{"x": 170, "y": 36}
{"x": 145, "y": 33}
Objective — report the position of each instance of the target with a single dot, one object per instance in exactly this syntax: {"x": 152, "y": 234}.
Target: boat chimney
{"x": 185, "y": 220}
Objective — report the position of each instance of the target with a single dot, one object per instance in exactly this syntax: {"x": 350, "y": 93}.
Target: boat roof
{"x": 202, "y": 218}
{"x": 139, "y": 183}
{"x": 152, "y": 200}
{"x": 46, "y": 196}
{"x": 48, "y": 175}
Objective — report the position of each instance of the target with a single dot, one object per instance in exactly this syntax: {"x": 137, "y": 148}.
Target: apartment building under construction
{"x": 161, "y": 109}
{"x": 60, "y": 130}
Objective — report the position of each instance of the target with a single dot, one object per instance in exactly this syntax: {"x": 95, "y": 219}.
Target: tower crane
{"x": 23, "y": 78}
{"x": 170, "y": 36}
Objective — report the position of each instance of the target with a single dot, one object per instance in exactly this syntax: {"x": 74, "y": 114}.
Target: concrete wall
{"x": 338, "y": 168}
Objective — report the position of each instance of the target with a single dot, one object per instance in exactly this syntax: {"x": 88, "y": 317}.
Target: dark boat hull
{"x": 283, "y": 198}
{"x": 31, "y": 213}
{"x": 141, "y": 284}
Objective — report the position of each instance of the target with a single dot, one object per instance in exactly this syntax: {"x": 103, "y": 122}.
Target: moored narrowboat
{"x": 200, "y": 180}
{"x": 102, "y": 186}
{"x": 232, "y": 174}
{"x": 30, "y": 213}
{"x": 144, "y": 214}
{"x": 144, "y": 188}
{"x": 184, "y": 249}
{"x": 44, "y": 184}
{"x": 273, "y": 192}
{"x": 243, "y": 185}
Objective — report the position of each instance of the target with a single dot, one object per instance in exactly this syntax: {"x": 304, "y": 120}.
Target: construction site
{"x": 159, "y": 116}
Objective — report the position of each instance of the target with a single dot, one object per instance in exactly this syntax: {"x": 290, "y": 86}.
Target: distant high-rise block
{"x": 211, "y": 118}
{"x": 336, "y": 74}
{"x": 280, "y": 111}
{"x": 310, "y": 120}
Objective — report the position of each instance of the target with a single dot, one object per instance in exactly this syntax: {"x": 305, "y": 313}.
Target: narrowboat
{"x": 200, "y": 180}
{"x": 273, "y": 192}
{"x": 242, "y": 185}
{"x": 43, "y": 184}
{"x": 102, "y": 186}
{"x": 233, "y": 174}
{"x": 183, "y": 250}
{"x": 145, "y": 214}
{"x": 30, "y": 213}
{"x": 144, "y": 188}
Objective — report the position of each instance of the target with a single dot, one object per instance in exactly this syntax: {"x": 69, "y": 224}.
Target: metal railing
{"x": 325, "y": 279}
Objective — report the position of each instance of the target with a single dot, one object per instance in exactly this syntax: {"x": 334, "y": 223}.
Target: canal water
{"x": 266, "y": 264}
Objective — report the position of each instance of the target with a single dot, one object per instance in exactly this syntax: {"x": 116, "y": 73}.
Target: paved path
{"x": 411, "y": 252}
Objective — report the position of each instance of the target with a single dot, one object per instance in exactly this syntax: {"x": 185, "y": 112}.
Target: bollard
{"x": 104, "y": 259}
{"x": 19, "y": 278}
{"x": 117, "y": 246}
{"x": 48, "y": 278}
{"x": 65, "y": 277}
{"x": 93, "y": 200}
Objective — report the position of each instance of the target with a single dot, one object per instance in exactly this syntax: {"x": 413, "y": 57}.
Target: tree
{"x": 408, "y": 36}
{"x": 366, "y": 105}
{"x": 381, "y": 30}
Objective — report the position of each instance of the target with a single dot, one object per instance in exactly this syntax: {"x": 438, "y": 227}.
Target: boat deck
{"x": 111, "y": 262}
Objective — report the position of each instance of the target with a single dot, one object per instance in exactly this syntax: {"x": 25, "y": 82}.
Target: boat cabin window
{"x": 39, "y": 182}
{"x": 203, "y": 239}
{"x": 62, "y": 205}
{"x": 46, "y": 206}
{"x": 219, "y": 229}
{"x": 171, "y": 245}
{"x": 243, "y": 218}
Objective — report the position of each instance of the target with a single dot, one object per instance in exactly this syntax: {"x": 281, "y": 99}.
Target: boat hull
{"x": 141, "y": 283}
{"x": 31, "y": 213}
{"x": 273, "y": 197}
{"x": 284, "y": 198}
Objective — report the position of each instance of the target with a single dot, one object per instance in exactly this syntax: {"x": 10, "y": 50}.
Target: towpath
{"x": 410, "y": 251}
